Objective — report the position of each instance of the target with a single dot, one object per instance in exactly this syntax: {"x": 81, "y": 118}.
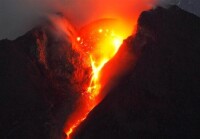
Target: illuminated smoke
{"x": 19, "y": 16}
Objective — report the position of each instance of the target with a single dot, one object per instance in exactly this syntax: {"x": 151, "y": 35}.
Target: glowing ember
{"x": 101, "y": 41}
{"x": 78, "y": 39}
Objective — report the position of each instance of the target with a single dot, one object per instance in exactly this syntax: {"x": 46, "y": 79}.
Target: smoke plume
{"x": 19, "y": 16}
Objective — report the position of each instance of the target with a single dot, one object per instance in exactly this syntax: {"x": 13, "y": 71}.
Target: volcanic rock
{"x": 37, "y": 84}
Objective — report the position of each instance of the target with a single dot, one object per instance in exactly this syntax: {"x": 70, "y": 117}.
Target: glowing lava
{"x": 100, "y": 41}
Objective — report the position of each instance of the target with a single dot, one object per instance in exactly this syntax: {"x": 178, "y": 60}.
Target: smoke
{"x": 167, "y": 3}
{"x": 19, "y": 16}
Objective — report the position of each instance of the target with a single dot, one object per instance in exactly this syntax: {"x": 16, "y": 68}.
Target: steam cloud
{"x": 19, "y": 16}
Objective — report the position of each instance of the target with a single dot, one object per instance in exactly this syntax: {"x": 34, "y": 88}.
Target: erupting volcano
{"x": 101, "y": 69}
{"x": 100, "y": 41}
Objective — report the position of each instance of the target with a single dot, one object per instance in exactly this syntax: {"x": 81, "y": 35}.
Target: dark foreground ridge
{"x": 36, "y": 84}
{"x": 160, "y": 97}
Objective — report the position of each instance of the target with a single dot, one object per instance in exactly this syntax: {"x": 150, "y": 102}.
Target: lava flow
{"x": 100, "y": 41}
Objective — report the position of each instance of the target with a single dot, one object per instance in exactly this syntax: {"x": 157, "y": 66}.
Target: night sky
{"x": 191, "y": 6}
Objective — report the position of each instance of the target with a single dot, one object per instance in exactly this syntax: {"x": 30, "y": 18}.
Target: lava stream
{"x": 101, "y": 41}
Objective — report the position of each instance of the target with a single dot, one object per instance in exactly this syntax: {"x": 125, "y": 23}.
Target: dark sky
{"x": 191, "y": 6}
{"x": 19, "y": 16}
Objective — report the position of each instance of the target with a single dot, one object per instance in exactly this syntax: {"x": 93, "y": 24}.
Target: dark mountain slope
{"x": 23, "y": 109}
{"x": 36, "y": 84}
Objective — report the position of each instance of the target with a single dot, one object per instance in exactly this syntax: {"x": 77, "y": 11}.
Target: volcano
{"x": 150, "y": 85}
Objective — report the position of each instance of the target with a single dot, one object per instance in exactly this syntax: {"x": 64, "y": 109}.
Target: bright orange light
{"x": 78, "y": 39}
{"x": 100, "y": 30}
{"x": 117, "y": 42}
{"x": 101, "y": 40}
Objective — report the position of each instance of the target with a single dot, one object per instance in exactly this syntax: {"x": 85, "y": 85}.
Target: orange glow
{"x": 100, "y": 40}
{"x": 78, "y": 39}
